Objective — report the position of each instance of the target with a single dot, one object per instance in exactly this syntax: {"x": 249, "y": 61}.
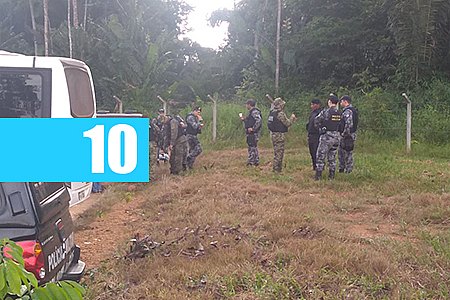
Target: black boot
{"x": 331, "y": 175}
{"x": 318, "y": 175}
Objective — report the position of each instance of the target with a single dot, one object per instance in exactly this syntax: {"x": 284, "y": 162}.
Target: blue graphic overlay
{"x": 74, "y": 150}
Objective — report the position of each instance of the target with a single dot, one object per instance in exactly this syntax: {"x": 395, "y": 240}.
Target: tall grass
{"x": 230, "y": 134}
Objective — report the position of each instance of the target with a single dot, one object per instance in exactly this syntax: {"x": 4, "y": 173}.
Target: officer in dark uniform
{"x": 252, "y": 125}
{"x": 328, "y": 122}
{"x": 349, "y": 125}
{"x": 313, "y": 132}
{"x": 194, "y": 122}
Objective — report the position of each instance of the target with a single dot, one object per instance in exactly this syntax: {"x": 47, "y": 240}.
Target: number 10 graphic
{"x": 114, "y": 149}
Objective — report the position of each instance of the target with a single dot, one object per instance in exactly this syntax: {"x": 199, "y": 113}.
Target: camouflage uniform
{"x": 346, "y": 157}
{"x": 328, "y": 141}
{"x": 155, "y": 134}
{"x": 162, "y": 137}
{"x": 254, "y": 121}
{"x": 195, "y": 148}
{"x": 179, "y": 145}
{"x": 277, "y": 135}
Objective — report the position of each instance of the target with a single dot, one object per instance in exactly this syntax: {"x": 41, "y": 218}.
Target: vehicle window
{"x": 20, "y": 95}
{"x": 43, "y": 190}
{"x": 80, "y": 92}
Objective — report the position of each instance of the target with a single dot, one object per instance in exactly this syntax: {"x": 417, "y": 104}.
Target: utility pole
{"x": 408, "y": 122}
{"x": 277, "y": 64}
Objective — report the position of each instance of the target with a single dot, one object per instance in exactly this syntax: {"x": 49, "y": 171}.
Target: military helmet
{"x": 278, "y": 103}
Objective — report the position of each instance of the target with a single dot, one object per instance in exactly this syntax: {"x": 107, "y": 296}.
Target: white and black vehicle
{"x": 36, "y": 216}
{"x": 47, "y": 87}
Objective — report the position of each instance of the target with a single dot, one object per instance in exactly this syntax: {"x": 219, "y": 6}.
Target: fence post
{"x": 119, "y": 105}
{"x": 214, "y": 120}
{"x": 408, "y": 122}
{"x": 164, "y": 102}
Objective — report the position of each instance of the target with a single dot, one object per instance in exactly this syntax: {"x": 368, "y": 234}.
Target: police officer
{"x": 154, "y": 137}
{"x": 279, "y": 124}
{"x": 194, "y": 122}
{"x": 313, "y": 132}
{"x": 252, "y": 125}
{"x": 160, "y": 121}
{"x": 349, "y": 125}
{"x": 328, "y": 122}
{"x": 177, "y": 144}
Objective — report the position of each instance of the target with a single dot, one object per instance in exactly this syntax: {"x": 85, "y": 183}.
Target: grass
{"x": 378, "y": 233}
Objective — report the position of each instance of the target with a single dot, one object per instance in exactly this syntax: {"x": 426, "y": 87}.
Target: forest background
{"x": 374, "y": 50}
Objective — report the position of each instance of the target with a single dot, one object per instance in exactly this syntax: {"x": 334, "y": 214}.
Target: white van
{"x": 47, "y": 87}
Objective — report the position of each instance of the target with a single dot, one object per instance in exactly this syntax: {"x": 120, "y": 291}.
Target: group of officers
{"x": 175, "y": 138}
{"x": 329, "y": 130}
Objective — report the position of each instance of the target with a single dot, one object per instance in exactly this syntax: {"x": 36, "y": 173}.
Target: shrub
{"x": 17, "y": 283}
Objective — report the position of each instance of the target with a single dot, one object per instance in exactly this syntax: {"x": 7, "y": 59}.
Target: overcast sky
{"x": 202, "y": 33}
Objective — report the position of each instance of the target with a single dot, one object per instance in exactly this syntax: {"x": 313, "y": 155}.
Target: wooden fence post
{"x": 214, "y": 120}
{"x": 164, "y": 102}
{"x": 408, "y": 122}
{"x": 119, "y": 105}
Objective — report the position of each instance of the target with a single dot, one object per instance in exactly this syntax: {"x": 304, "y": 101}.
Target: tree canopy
{"x": 135, "y": 52}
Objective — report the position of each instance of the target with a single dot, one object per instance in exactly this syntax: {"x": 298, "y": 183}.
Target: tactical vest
{"x": 181, "y": 126}
{"x": 310, "y": 125}
{"x": 190, "y": 129}
{"x": 334, "y": 120}
{"x": 250, "y": 121}
{"x": 355, "y": 119}
{"x": 274, "y": 123}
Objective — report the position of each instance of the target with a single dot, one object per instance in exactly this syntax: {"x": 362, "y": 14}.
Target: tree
{"x": 69, "y": 29}
{"x": 46, "y": 27}
{"x": 33, "y": 26}
{"x": 75, "y": 14}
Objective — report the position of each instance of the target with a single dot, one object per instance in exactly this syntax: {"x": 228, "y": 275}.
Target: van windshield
{"x": 23, "y": 93}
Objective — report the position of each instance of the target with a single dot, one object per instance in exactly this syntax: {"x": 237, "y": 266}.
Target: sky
{"x": 202, "y": 32}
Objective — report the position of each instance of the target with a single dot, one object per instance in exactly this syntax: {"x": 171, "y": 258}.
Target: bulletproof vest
{"x": 159, "y": 123}
{"x": 190, "y": 129}
{"x": 310, "y": 126}
{"x": 181, "y": 126}
{"x": 333, "y": 121}
{"x": 355, "y": 119}
{"x": 250, "y": 121}
{"x": 274, "y": 123}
